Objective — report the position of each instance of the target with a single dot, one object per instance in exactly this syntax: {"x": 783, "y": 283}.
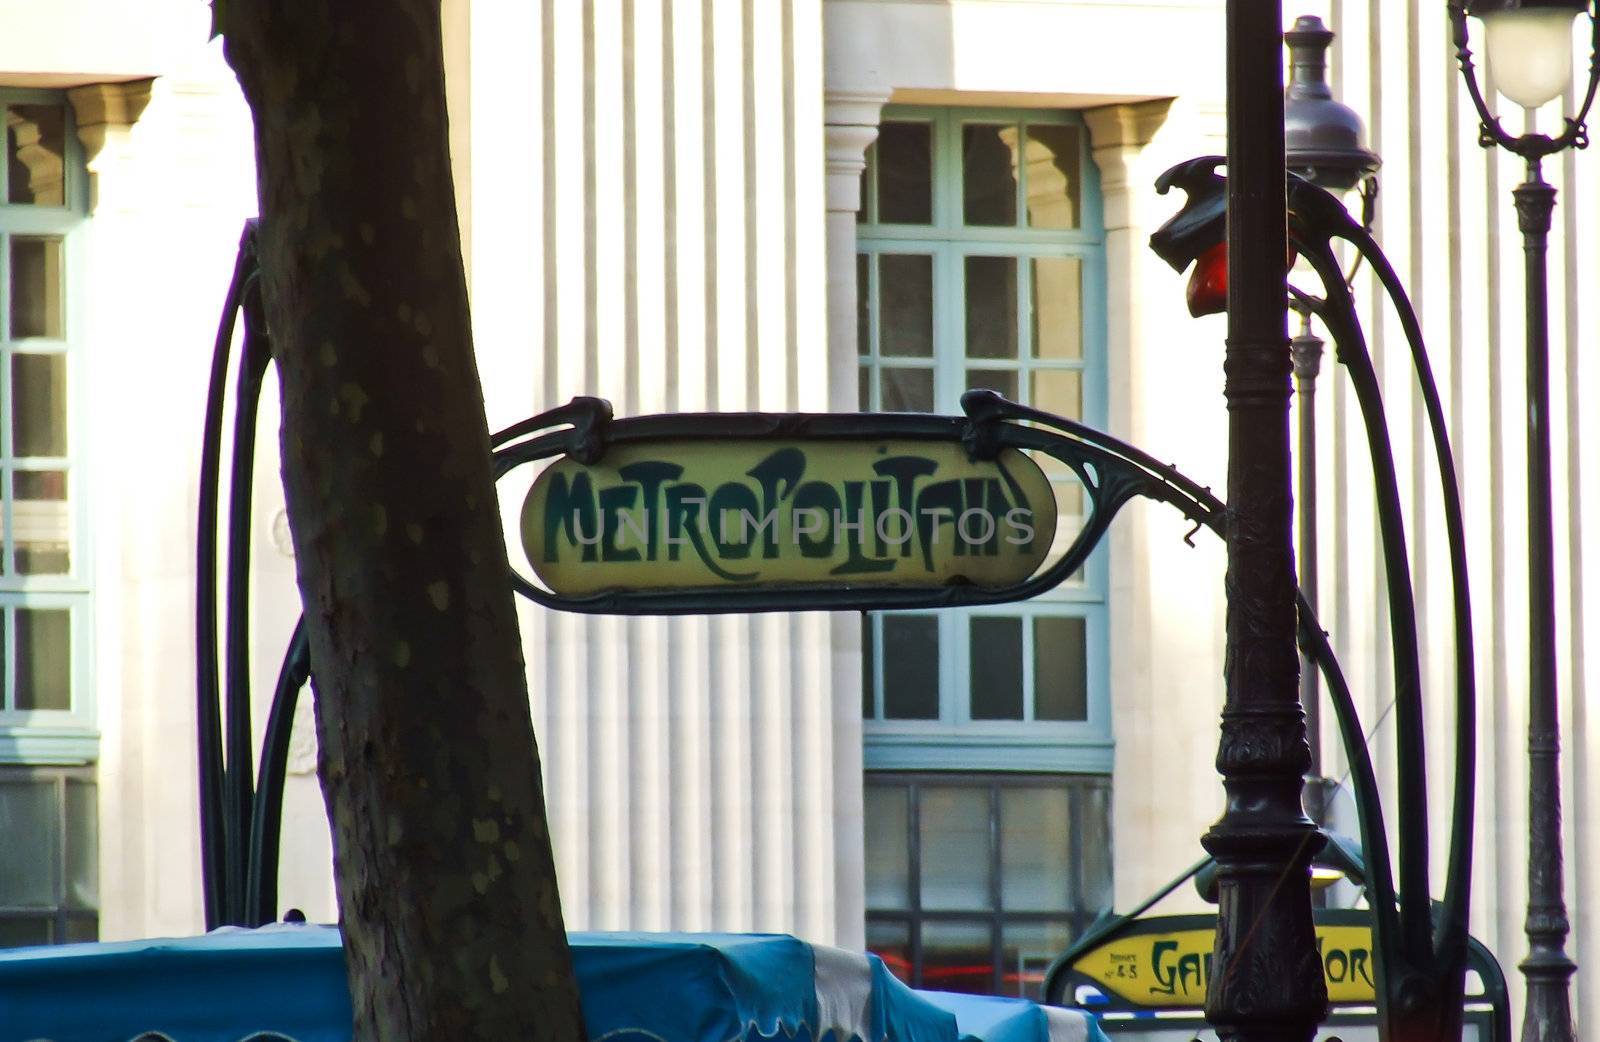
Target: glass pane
{"x": 864, "y": 388}
{"x": 1053, "y": 178}
{"x": 36, "y": 308}
{"x": 953, "y": 830}
{"x": 991, "y": 307}
{"x": 82, "y": 928}
{"x": 905, "y": 305}
{"x": 30, "y": 856}
{"x": 1094, "y": 837}
{"x": 1072, "y": 503}
{"x": 1060, "y": 669}
{"x": 869, "y": 669}
{"x": 1035, "y": 861}
{"x": 1054, "y": 469}
{"x": 43, "y": 523}
{"x": 907, "y": 390}
{"x": 38, "y": 405}
{"x": 891, "y": 942}
{"x": 863, "y": 304}
{"x": 35, "y": 154}
{"x": 905, "y": 173}
{"x": 1002, "y": 380}
{"x": 1058, "y": 391}
{"x": 44, "y": 659}
{"x": 989, "y": 173}
{"x": 83, "y": 858}
{"x": 887, "y": 812}
{"x": 1026, "y": 951}
{"x": 1057, "y": 308}
{"x": 910, "y": 667}
{"x": 957, "y": 957}
{"x": 996, "y": 668}
{"x": 20, "y": 932}
{"x": 864, "y": 207}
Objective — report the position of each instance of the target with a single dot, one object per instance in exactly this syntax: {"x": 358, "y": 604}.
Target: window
{"x": 976, "y": 882}
{"x": 49, "y": 863}
{"x": 981, "y": 264}
{"x": 48, "y": 858}
{"x": 46, "y": 714}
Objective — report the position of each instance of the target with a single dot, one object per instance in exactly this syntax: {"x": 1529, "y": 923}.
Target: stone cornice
{"x": 101, "y": 108}
{"x": 105, "y": 113}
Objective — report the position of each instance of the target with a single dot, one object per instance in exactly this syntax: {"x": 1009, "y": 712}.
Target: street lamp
{"x": 1529, "y": 45}
{"x": 1324, "y": 141}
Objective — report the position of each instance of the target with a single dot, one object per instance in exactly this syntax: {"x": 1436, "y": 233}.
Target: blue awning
{"x": 289, "y": 979}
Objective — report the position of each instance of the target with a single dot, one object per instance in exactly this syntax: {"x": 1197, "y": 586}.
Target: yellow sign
{"x": 1172, "y": 969}
{"x": 685, "y": 514}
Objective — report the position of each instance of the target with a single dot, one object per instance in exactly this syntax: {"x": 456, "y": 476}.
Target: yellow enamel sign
{"x": 1172, "y": 969}
{"x": 687, "y": 514}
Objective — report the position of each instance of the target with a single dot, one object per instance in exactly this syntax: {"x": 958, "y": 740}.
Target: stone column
{"x": 1144, "y": 310}
{"x": 130, "y": 794}
{"x": 852, "y": 125}
{"x": 1117, "y": 135}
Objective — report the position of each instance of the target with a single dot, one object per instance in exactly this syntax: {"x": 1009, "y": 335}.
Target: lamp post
{"x": 1324, "y": 142}
{"x": 1529, "y": 49}
{"x": 1266, "y": 982}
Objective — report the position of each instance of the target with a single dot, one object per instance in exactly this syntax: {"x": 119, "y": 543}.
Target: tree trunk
{"x": 447, "y": 891}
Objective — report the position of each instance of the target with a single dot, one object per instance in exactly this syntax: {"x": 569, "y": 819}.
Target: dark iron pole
{"x": 1266, "y": 982}
{"x": 1305, "y": 352}
{"x": 1547, "y": 1013}
{"x": 1547, "y": 969}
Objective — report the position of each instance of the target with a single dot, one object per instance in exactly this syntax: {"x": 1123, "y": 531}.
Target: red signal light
{"x": 1208, "y": 283}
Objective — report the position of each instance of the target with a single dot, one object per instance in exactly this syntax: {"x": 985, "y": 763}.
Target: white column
{"x": 1146, "y": 330}
{"x": 1117, "y": 135}
{"x": 852, "y": 125}
{"x": 105, "y": 114}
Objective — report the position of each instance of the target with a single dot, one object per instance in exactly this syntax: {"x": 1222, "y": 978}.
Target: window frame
{"x": 41, "y": 737}
{"x": 1078, "y": 786}
{"x": 62, "y": 912}
{"x": 954, "y": 740}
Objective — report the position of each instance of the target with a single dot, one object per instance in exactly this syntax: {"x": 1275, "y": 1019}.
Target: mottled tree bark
{"x": 447, "y": 892}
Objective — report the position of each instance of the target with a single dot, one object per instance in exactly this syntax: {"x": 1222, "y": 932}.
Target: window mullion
{"x": 946, "y": 171}
{"x": 1022, "y": 175}
{"x": 1025, "y": 346}
{"x": 5, "y": 283}
{"x": 875, "y": 634}
{"x": 955, "y": 699}
{"x": 1025, "y": 620}
{"x": 914, "y": 870}
{"x": 996, "y": 953}
{"x": 949, "y": 315}
{"x": 873, "y": 311}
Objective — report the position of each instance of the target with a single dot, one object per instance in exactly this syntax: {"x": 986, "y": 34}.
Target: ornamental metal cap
{"x": 1324, "y": 140}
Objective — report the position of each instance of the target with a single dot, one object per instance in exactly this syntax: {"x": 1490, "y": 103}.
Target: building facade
{"x": 781, "y": 205}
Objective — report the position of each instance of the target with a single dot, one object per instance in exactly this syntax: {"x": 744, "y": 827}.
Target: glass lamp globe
{"x": 1528, "y": 47}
